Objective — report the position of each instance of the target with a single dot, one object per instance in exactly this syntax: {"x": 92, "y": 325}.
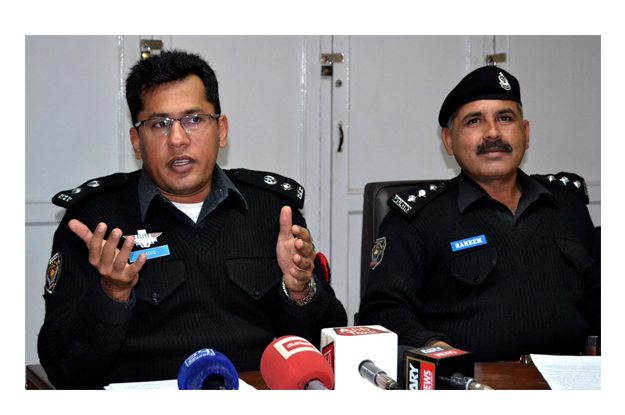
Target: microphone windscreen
{"x": 290, "y": 362}
{"x": 207, "y": 369}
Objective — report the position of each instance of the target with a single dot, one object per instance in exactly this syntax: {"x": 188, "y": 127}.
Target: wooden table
{"x": 499, "y": 375}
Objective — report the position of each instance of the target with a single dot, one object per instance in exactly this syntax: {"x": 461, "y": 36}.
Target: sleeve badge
{"x": 53, "y": 273}
{"x": 377, "y": 252}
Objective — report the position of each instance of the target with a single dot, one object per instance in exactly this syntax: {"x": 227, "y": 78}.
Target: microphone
{"x": 377, "y": 376}
{"x": 293, "y": 363}
{"x": 437, "y": 367}
{"x": 357, "y": 355}
{"x": 208, "y": 369}
{"x": 458, "y": 381}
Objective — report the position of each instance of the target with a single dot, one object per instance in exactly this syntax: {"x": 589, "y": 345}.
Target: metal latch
{"x": 327, "y": 59}
{"x": 148, "y": 45}
{"x": 493, "y": 60}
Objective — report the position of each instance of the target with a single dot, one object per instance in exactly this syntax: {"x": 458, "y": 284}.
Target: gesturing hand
{"x": 117, "y": 276}
{"x": 296, "y": 255}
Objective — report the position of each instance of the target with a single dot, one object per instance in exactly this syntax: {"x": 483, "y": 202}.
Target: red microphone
{"x": 293, "y": 363}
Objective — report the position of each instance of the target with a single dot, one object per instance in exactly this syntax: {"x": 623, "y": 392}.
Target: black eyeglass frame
{"x": 173, "y": 120}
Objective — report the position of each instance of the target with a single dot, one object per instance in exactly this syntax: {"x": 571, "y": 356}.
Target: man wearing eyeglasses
{"x": 149, "y": 267}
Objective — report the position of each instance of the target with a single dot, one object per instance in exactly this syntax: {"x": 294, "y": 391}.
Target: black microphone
{"x": 437, "y": 367}
{"x": 462, "y": 382}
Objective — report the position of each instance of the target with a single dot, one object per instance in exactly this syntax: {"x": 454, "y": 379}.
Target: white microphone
{"x": 361, "y": 356}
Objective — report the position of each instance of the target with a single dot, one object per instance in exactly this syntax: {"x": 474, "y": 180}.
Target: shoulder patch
{"x": 568, "y": 181}
{"x": 53, "y": 273}
{"x": 411, "y": 201}
{"x": 73, "y": 197}
{"x": 281, "y": 185}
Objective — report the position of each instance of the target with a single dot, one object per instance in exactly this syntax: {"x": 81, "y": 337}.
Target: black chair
{"x": 374, "y": 209}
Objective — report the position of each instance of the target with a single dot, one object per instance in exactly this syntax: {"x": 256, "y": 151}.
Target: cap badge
{"x": 503, "y": 82}
{"x": 270, "y": 180}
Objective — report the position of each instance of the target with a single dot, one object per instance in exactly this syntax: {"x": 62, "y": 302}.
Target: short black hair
{"x": 168, "y": 66}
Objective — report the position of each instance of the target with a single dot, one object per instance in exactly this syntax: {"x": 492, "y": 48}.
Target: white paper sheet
{"x": 161, "y": 384}
{"x": 570, "y": 372}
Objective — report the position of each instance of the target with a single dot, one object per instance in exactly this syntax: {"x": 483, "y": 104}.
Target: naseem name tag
{"x": 151, "y": 253}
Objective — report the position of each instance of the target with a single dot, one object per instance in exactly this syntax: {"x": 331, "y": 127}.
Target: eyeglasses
{"x": 192, "y": 124}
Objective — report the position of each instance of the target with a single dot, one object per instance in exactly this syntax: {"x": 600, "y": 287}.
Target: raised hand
{"x": 117, "y": 275}
{"x": 296, "y": 255}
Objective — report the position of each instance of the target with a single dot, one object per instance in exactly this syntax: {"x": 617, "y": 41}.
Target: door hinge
{"x": 147, "y": 46}
{"x": 493, "y": 60}
{"x": 327, "y": 60}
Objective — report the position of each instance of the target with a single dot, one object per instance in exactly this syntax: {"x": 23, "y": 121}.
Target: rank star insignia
{"x": 144, "y": 239}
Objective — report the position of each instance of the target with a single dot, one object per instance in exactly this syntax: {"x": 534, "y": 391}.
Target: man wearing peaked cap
{"x": 150, "y": 266}
{"x": 493, "y": 261}
{"x": 488, "y": 82}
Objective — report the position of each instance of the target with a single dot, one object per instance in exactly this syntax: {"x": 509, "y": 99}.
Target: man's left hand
{"x": 296, "y": 255}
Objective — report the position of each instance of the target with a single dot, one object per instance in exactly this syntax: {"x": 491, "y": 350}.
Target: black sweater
{"x": 533, "y": 287}
{"x": 219, "y": 288}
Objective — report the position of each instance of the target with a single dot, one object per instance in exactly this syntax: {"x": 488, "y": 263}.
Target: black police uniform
{"x": 219, "y": 287}
{"x": 454, "y": 264}
{"x": 460, "y": 267}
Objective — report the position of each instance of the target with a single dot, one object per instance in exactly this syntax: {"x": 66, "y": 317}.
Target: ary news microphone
{"x": 437, "y": 367}
{"x": 209, "y": 370}
{"x": 293, "y": 363}
{"x": 361, "y": 355}
{"x": 458, "y": 381}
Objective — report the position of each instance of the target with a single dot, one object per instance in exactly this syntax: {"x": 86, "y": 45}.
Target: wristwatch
{"x": 312, "y": 284}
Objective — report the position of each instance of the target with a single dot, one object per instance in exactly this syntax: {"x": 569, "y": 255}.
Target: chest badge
{"x": 468, "y": 243}
{"x": 144, "y": 239}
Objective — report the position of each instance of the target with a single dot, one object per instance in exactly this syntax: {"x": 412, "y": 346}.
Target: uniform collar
{"x": 469, "y": 191}
{"x": 220, "y": 188}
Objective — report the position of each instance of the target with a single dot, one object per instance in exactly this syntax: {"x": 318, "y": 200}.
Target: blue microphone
{"x": 208, "y": 369}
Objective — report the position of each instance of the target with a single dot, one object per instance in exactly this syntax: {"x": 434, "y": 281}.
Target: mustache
{"x": 481, "y": 148}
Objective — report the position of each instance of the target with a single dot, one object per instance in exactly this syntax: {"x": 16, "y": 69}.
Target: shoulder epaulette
{"x": 73, "y": 197}
{"x": 567, "y": 181}
{"x": 281, "y": 185}
{"x": 411, "y": 201}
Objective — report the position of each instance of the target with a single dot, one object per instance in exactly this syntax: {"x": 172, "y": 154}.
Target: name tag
{"x": 151, "y": 253}
{"x": 468, "y": 243}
